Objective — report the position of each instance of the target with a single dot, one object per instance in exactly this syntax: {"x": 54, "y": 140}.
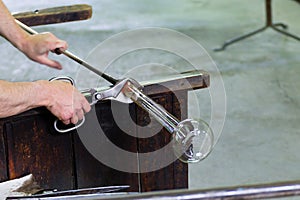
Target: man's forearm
{"x": 62, "y": 99}
{"x": 9, "y": 29}
{"x": 19, "y": 97}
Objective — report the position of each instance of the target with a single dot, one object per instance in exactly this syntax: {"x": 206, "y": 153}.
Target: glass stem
{"x": 157, "y": 111}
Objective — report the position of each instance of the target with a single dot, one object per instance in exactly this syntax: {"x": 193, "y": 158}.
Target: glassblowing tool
{"x": 192, "y": 140}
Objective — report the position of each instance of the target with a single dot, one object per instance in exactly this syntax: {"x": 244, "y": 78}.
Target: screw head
{"x": 98, "y": 96}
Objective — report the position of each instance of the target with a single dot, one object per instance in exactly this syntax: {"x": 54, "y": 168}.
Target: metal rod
{"x": 268, "y": 12}
{"x": 88, "y": 66}
{"x": 267, "y": 191}
{"x": 72, "y": 56}
{"x": 269, "y": 23}
{"x": 264, "y": 191}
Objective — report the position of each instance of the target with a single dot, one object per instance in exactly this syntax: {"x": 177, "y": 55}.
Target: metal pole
{"x": 269, "y": 13}
{"x": 73, "y": 57}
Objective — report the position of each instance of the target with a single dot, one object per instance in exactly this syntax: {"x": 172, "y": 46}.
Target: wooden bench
{"x": 30, "y": 144}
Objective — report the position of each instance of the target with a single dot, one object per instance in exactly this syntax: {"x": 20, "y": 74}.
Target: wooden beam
{"x": 55, "y": 15}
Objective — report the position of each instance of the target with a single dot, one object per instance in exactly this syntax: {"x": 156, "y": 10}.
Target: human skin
{"x": 60, "y": 98}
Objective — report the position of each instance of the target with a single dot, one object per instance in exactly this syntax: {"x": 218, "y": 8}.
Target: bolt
{"x": 98, "y": 96}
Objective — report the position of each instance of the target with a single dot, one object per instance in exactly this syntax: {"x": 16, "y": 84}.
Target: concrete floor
{"x": 260, "y": 142}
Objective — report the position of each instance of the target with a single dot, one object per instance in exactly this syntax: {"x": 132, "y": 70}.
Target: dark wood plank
{"x": 90, "y": 171}
{"x": 191, "y": 80}
{"x": 3, "y": 156}
{"x": 165, "y": 177}
{"x": 33, "y": 147}
{"x": 179, "y": 110}
{"x": 55, "y": 15}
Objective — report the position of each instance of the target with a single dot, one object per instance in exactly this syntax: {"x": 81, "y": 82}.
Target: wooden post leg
{"x": 174, "y": 175}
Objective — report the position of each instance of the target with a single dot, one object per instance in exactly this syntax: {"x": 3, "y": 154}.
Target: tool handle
{"x": 72, "y": 56}
{"x": 87, "y": 65}
{"x": 68, "y": 129}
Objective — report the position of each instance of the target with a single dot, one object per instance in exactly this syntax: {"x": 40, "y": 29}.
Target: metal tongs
{"x": 115, "y": 93}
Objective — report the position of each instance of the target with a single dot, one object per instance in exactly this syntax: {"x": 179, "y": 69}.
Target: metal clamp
{"x": 72, "y": 82}
{"x": 93, "y": 95}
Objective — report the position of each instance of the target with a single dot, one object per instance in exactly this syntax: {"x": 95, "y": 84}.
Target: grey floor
{"x": 260, "y": 140}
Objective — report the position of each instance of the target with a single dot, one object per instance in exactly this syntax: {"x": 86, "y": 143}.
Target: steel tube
{"x": 72, "y": 56}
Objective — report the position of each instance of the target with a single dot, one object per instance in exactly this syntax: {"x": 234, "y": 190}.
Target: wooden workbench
{"x": 30, "y": 144}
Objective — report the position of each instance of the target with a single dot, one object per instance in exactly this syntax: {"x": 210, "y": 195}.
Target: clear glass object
{"x": 192, "y": 140}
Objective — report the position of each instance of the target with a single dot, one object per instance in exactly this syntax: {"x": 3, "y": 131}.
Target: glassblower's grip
{"x": 193, "y": 140}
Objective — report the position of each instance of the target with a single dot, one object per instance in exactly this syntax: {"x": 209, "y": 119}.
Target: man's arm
{"x": 61, "y": 98}
{"x": 35, "y": 47}
{"x": 9, "y": 28}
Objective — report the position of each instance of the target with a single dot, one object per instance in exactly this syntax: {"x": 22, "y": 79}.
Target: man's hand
{"x": 65, "y": 101}
{"x": 37, "y": 47}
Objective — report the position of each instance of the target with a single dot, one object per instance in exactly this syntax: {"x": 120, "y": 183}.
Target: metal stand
{"x": 269, "y": 23}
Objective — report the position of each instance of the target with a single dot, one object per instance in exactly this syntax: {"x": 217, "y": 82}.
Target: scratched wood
{"x": 55, "y": 15}
{"x": 3, "y": 161}
{"x": 175, "y": 174}
{"x": 179, "y": 109}
{"x": 91, "y": 171}
{"x": 34, "y": 147}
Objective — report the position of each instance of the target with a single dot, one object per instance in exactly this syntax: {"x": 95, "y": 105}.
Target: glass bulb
{"x": 192, "y": 140}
